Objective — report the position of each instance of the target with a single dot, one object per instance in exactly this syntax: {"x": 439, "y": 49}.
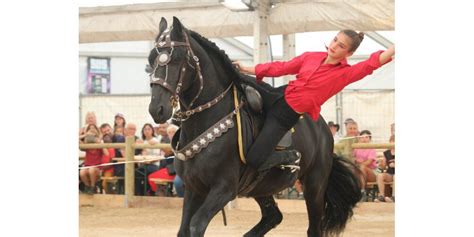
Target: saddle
{"x": 255, "y": 104}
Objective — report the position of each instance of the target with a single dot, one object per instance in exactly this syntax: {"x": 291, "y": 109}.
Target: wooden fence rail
{"x": 368, "y": 146}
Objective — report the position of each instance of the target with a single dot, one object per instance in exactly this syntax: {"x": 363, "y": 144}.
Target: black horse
{"x": 189, "y": 70}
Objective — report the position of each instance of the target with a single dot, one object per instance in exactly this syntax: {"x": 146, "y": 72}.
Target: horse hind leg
{"x": 315, "y": 184}
{"x": 271, "y": 217}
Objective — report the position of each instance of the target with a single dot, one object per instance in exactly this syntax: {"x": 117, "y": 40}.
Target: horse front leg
{"x": 191, "y": 204}
{"x": 216, "y": 199}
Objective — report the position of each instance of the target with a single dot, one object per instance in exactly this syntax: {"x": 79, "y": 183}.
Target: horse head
{"x": 173, "y": 69}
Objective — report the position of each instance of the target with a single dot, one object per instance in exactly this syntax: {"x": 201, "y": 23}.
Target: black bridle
{"x": 163, "y": 59}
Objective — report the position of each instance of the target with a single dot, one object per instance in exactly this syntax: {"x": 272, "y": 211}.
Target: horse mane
{"x": 236, "y": 75}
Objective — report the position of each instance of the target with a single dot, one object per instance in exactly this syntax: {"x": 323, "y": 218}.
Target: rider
{"x": 319, "y": 76}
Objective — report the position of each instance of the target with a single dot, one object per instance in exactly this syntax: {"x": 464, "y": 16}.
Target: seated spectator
{"x": 161, "y": 133}
{"x": 119, "y": 170}
{"x": 179, "y": 186}
{"x": 107, "y": 171}
{"x": 334, "y": 129}
{"x": 166, "y": 169}
{"x": 90, "y": 176}
{"x": 388, "y": 176}
{"x": 352, "y": 131}
{"x": 119, "y": 121}
{"x": 90, "y": 119}
{"x": 106, "y": 129}
{"x": 148, "y": 136}
{"x": 299, "y": 189}
{"x": 366, "y": 160}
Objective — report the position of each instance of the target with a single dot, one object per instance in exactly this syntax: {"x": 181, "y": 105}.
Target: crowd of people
{"x": 371, "y": 168}
{"x": 100, "y": 163}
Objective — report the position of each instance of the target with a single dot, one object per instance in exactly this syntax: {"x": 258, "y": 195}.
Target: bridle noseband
{"x": 164, "y": 58}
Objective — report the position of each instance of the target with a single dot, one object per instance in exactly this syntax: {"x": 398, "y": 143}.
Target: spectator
{"x": 334, "y": 127}
{"x": 166, "y": 170}
{"x": 90, "y": 119}
{"x": 107, "y": 171}
{"x": 118, "y": 137}
{"x": 106, "y": 129}
{"x": 119, "y": 170}
{"x": 388, "y": 176}
{"x": 179, "y": 186}
{"x": 131, "y": 130}
{"x": 352, "y": 131}
{"x": 119, "y": 121}
{"x": 170, "y": 131}
{"x": 148, "y": 136}
{"x": 161, "y": 133}
{"x": 366, "y": 160}
{"x": 392, "y": 129}
{"x": 348, "y": 121}
{"x": 90, "y": 176}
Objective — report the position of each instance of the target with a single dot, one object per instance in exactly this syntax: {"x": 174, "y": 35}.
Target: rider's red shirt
{"x": 316, "y": 82}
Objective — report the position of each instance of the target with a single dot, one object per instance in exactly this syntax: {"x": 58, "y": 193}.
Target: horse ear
{"x": 162, "y": 27}
{"x": 177, "y": 29}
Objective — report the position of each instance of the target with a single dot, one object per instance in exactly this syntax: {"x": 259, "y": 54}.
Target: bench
{"x": 373, "y": 190}
{"x": 163, "y": 186}
{"x": 112, "y": 186}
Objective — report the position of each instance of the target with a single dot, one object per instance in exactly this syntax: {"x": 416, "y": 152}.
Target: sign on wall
{"x": 98, "y": 75}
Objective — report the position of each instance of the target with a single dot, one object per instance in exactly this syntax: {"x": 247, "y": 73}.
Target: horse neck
{"x": 215, "y": 82}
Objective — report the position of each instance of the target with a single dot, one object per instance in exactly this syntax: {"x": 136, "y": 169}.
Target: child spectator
{"x": 119, "y": 121}
{"x": 93, "y": 157}
{"x": 388, "y": 176}
{"x": 90, "y": 119}
{"x": 366, "y": 160}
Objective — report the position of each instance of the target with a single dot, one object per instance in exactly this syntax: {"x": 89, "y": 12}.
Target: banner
{"x": 98, "y": 75}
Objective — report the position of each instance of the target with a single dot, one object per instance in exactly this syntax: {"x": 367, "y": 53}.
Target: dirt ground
{"x": 370, "y": 220}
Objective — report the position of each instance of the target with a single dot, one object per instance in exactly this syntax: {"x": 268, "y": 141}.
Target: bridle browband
{"x": 163, "y": 59}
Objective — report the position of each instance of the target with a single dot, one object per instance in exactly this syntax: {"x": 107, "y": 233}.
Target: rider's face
{"x": 339, "y": 46}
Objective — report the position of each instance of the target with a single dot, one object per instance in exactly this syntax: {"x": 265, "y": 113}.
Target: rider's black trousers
{"x": 280, "y": 118}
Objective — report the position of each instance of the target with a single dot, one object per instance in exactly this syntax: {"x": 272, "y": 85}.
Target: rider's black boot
{"x": 278, "y": 158}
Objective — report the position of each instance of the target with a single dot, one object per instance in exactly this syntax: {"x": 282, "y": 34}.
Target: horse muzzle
{"x": 160, "y": 113}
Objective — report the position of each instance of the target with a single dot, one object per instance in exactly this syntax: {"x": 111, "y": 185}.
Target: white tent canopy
{"x": 140, "y": 21}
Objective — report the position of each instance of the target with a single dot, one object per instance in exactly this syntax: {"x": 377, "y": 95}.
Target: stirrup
{"x": 293, "y": 168}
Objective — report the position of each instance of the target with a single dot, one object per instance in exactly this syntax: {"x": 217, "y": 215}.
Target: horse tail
{"x": 342, "y": 194}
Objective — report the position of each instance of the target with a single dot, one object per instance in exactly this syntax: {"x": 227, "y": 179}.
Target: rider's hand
{"x": 244, "y": 69}
{"x": 238, "y": 65}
